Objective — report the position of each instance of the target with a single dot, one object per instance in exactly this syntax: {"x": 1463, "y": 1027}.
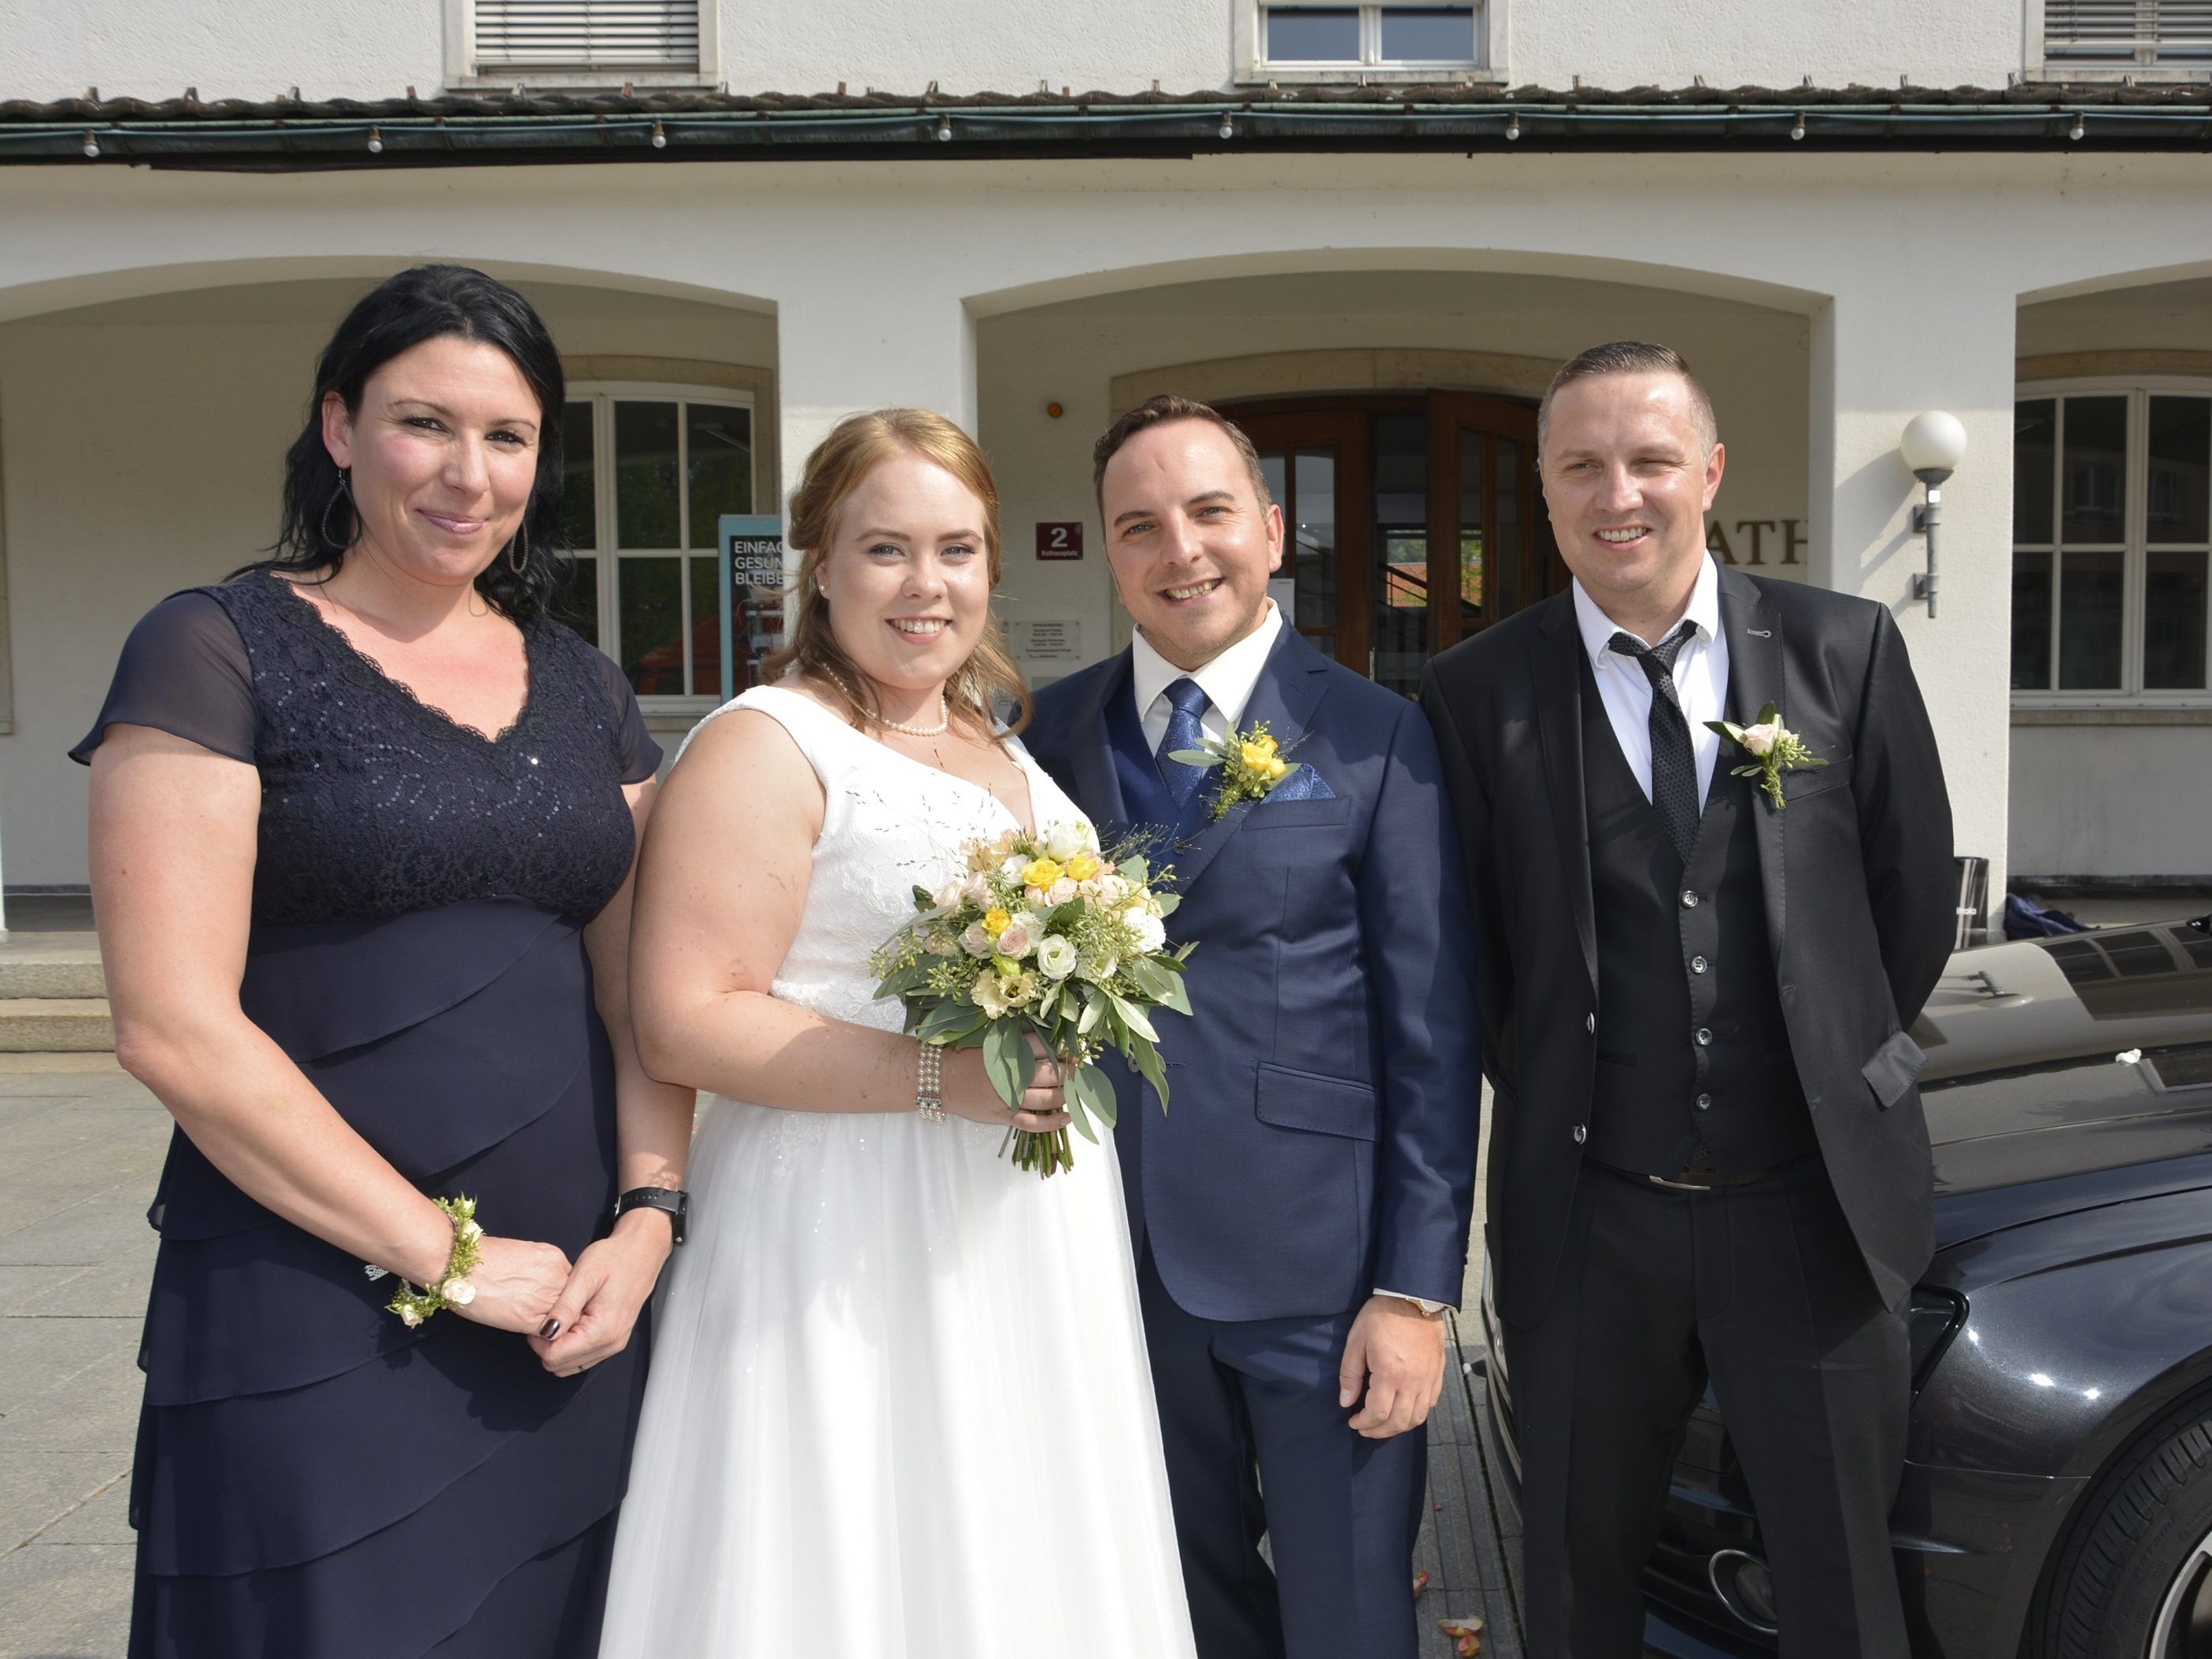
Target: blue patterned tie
{"x": 1187, "y": 701}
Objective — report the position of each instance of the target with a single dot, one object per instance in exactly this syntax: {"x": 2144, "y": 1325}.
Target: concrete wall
{"x": 255, "y": 49}
{"x": 2112, "y": 799}
{"x": 143, "y": 443}
{"x": 890, "y": 284}
{"x": 376, "y": 48}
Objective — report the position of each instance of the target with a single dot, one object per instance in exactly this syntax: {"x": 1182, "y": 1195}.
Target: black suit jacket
{"x": 1859, "y": 887}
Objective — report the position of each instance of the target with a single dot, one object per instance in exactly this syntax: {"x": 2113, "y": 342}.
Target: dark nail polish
{"x": 550, "y": 1329}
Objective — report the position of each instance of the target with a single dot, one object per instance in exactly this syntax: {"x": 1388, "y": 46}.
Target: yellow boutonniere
{"x": 1251, "y": 765}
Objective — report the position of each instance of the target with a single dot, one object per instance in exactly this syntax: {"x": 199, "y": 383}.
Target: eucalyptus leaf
{"x": 1176, "y": 995}
{"x": 1094, "y": 1006}
{"x": 1099, "y": 1093}
{"x": 1134, "y": 1019}
{"x": 1004, "y": 1051}
{"x": 1200, "y": 758}
{"x": 1146, "y": 1060}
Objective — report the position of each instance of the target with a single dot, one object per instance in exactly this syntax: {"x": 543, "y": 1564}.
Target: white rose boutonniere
{"x": 1774, "y": 749}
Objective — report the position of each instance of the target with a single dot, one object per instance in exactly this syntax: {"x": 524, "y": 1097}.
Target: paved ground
{"x": 80, "y": 1146}
{"x": 79, "y": 1154}
{"x": 79, "y": 1150}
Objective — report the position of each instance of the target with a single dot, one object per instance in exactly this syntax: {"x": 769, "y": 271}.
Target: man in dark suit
{"x": 1300, "y": 1213}
{"x": 1708, "y": 1156}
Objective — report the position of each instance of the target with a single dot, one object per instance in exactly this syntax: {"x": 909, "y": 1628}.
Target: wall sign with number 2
{"x": 1060, "y": 541}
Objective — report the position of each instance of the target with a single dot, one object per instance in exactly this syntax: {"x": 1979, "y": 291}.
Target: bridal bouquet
{"x": 1043, "y": 933}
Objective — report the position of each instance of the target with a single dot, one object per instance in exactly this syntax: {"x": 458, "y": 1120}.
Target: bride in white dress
{"x": 899, "y": 1401}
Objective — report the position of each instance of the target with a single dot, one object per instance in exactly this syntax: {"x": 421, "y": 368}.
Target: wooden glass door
{"x": 1411, "y": 521}
{"x": 1315, "y": 463}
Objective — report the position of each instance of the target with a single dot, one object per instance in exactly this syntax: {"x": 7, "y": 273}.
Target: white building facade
{"x": 1371, "y": 230}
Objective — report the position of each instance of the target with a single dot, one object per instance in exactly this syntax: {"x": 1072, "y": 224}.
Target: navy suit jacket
{"x": 1325, "y": 1094}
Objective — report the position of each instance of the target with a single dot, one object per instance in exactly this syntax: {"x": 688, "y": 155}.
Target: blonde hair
{"x": 841, "y": 462}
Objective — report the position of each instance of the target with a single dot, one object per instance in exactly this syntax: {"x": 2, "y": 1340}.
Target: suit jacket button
{"x": 1698, "y": 964}
{"x": 1590, "y": 1024}
{"x": 1689, "y": 900}
{"x": 1705, "y": 1102}
{"x": 1582, "y": 1133}
{"x": 1704, "y": 1037}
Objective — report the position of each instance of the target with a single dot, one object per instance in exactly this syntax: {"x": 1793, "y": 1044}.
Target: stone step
{"x": 56, "y": 1025}
{"x": 51, "y": 977}
{"x": 51, "y": 965}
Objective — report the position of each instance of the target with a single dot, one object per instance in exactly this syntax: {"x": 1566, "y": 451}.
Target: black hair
{"x": 429, "y": 302}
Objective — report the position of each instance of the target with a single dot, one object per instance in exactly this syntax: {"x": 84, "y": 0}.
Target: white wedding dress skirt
{"x": 899, "y": 1402}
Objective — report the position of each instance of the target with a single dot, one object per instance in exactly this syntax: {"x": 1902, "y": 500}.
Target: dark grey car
{"x": 2057, "y": 1493}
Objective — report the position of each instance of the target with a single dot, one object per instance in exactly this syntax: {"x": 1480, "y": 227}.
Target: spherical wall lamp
{"x": 1933, "y": 445}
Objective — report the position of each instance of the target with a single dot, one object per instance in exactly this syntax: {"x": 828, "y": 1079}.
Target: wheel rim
{"x": 2184, "y": 1630}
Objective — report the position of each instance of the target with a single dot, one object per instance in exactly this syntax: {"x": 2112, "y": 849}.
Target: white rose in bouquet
{"x": 1060, "y": 892}
{"x": 976, "y": 942}
{"x": 1017, "y": 941}
{"x": 1056, "y": 955}
{"x": 1064, "y": 842}
{"x": 949, "y": 894}
{"x": 1147, "y": 931}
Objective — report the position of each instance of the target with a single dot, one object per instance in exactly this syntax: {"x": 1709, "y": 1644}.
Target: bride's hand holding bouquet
{"x": 1043, "y": 952}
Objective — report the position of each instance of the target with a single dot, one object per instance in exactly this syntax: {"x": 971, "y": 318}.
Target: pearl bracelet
{"x": 929, "y": 1088}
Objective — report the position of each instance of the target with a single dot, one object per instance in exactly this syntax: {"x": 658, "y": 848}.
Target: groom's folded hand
{"x": 1395, "y": 1356}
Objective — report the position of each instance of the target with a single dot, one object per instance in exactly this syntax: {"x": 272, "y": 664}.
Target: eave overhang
{"x": 526, "y": 127}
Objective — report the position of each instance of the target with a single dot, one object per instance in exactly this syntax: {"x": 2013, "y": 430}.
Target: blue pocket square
{"x": 1304, "y": 784}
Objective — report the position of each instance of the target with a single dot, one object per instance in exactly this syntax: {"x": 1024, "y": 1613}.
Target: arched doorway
{"x": 1412, "y": 520}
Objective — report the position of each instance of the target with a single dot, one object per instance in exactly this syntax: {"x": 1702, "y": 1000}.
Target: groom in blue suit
{"x": 1300, "y": 1213}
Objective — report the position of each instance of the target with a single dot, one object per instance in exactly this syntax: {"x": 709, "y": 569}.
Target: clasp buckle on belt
{"x": 1685, "y": 1186}
{"x": 1716, "y": 1179}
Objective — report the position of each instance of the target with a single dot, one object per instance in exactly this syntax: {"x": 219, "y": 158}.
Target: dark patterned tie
{"x": 1674, "y": 763}
{"x": 1186, "y": 702}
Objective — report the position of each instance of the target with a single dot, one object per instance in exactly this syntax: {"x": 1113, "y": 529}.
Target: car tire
{"x": 2145, "y": 1527}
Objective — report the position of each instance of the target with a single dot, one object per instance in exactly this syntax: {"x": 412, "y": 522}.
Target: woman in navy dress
{"x": 362, "y": 825}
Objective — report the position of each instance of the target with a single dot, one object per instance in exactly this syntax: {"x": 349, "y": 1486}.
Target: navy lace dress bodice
{"x": 313, "y": 1479}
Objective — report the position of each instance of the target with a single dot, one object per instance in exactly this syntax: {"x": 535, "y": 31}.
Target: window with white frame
{"x": 585, "y": 41}
{"x": 650, "y": 471}
{"x": 2127, "y": 34}
{"x": 2111, "y": 537}
{"x": 1303, "y": 36}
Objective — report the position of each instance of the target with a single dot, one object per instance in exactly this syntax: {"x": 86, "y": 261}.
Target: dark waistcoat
{"x": 1691, "y": 1050}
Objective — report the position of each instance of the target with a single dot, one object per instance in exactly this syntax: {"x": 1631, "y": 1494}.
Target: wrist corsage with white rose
{"x": 452, "y": 1288}
{"x": 1774, "y": 749}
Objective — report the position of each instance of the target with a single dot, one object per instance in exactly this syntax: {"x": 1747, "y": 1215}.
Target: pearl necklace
{"x": 944, "y": 712}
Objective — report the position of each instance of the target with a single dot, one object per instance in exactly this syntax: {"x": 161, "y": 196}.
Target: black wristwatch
{"x": 674, "y": 1199}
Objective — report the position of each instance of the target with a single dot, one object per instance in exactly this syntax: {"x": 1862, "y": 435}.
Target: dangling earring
{"x": 520, "y": 531}
{"x": 342, "y": 493}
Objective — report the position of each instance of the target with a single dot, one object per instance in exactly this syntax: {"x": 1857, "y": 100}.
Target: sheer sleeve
{"x": 640, "y": 754}
{"x": 183, "y": 670}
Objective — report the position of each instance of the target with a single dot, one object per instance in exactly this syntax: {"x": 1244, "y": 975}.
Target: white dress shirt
{"x": 1227, "y": 681}
{"x": 1701, "y": 677}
